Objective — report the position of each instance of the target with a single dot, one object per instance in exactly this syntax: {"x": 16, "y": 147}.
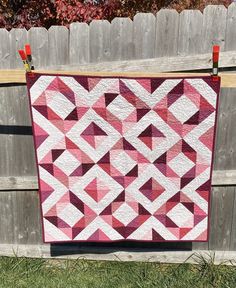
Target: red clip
{"x": 216, "y": 53}
{"x": 27, "y": 49}
{"x": 22, "y": 54}
{"x": 215, "y": 60}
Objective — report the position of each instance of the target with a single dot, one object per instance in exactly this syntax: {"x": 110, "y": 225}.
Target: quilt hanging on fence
{"x": 123, "y": 158}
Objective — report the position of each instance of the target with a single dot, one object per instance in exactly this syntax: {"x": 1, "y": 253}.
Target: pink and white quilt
{"x": 123, "y": 158}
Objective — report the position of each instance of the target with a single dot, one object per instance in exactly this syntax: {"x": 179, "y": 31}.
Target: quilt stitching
{"x": 124, "y": 158}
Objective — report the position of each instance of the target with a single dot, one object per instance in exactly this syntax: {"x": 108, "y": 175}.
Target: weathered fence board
{"x": 190, "y": 27}
{"x": 122, "y": 46}
{"x": 4, "y": 49}
{"x": 79, "y": 43}
{"x": 58, "y": 45}
{"x": 224, "y": 177}
{"x": 99, "y": 41}
{"x": 154, "y": 65}
{"x": 213, "y": 29}
{"x": 221, "y": 218}
{"x": 20, "y": 217}
{"x": 110, "y": 254}
{"x": 144, "y": 35}
{"x": 18, "y": 38}
{"x": 15, "y": 183}
{"x": 230, "y": 37}
{"x": 228, "y": 80}
{"x": 38, "y": 38}
{"x": 16, "y": 153}
{"x": 225, "y": 155}
{"x": 167, "y": 28}
{"x": 232, "y": 246}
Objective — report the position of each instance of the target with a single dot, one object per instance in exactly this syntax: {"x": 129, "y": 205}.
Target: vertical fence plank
{"x": 99, "y": 41}
{"x": 22, "y": 156}
{"x": 225, "y": 156}
{"x": 230, "y": 147}
{"x": 221, "y": 218}
{"x": 167, "y": 27}
{"x": 214, "y": 26}
{"x": 223, "y": 119}
{"x": 4, "y": 63}
{"x": 233, "y": 228}
{"x": 20, "y": 217}
{"x": 230, "y": 38}
{"x": 190, "y": 26}
{"x": 16, "y": 151}
{"x": 38, "y": 38}
{"x": 18, "y": 39}
{"x": 4, "y": 49}
{"x": 122, "y": 46}
{"x": 27, "y": 222}
{"x": 144, "y": 35}
{"x": 6, "y": 223}
{"x": 79, "y": 43}
{"x": 58, "y": 45}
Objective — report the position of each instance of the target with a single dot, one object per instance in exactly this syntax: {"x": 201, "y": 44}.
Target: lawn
{"x": 23, "y": 272}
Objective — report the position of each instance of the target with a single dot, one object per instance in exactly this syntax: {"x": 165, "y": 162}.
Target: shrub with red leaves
{"x": 74, "y": 10}
{"x": 28, "y": 13}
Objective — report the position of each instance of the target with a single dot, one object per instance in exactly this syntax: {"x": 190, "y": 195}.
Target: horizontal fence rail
{"x": 219, "y": 178}
{"x": 228, "y": 80}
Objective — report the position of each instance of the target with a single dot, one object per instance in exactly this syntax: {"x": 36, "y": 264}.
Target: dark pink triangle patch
{"x": 93, "y": 130}
{"x": 133, "y": 172}
{"x": 156, "y": 236}
{"x": 42, "y": 109}
{"x": 40, "y": 139}
{"x": 151, "y": 189}
{"x": 56, "y": 153}
{"x": 149, "y": 134}
{"x": 73, "y": 115}
{"x": 142, "y": 112}
{"x": 155, "y": 83}
{"x": 48, "y": 168}
{"x": 93, "y": 134}
{"x": 109, "y": 97}
{"x": 83, "y": 81}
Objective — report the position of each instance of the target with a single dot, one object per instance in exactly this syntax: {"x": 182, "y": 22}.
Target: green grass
{"x": 23, "y": 272}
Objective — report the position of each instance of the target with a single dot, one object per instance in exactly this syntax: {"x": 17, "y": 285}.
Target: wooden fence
{"x": 168, "y": 34}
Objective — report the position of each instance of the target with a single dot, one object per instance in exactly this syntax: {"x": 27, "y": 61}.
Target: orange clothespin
{"x": 215, "y": 61}
{"x": 24, "y": 59}
{"x": 29, "y": 56}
